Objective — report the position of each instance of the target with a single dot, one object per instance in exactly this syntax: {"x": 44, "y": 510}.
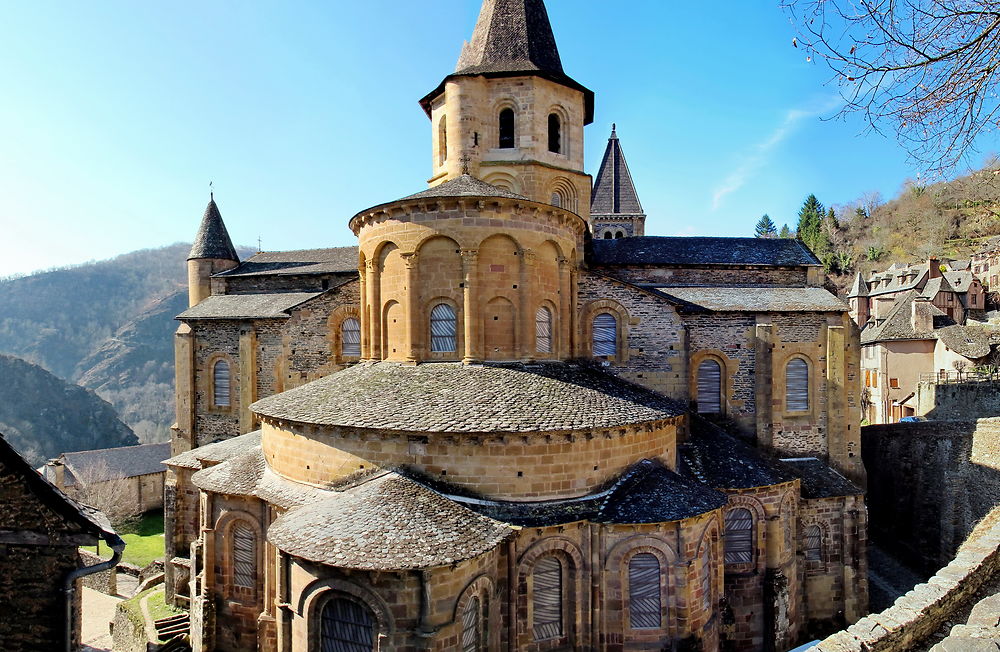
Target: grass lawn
{"x": 155, "y": 603}
{"x": 143, "y": 541}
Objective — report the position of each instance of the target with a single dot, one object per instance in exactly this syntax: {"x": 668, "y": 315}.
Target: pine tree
{"x": 785, "y": 232}
{"x": 810, "y": 222}
{"x": 765, "y": 227}
{"x": 831, "y": 220}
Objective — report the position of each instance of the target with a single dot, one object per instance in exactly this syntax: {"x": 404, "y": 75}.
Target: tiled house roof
{"x": 127, "y": 461}
{"x": 614, "y": 192}
{"x": 860, "y": 287}
{"x": 305, "y": 261}
{"x": 898, "y": 324}
{"x": 819, "y": 480}
{"x": 660, "y": 250}
{"x": 215, "y": 452}
{"x": 247, "y": 306}
{"x": 450, "y": 397}
{"x": 720, "y": 461}
{"x": 212, "y": 240}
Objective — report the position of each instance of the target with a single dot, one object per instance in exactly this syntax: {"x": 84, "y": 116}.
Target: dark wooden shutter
{"x": 739, "y": 536}
{"x": 813, "y": 544}
{"x": 644, "y": 591}
{"x": 350, "y": 337}
{"x": 220, "y": 383}
{"x": 543, "y": 330}
{"x": 244, "y": 556}
{"x": 347, "y": 626}
{"x": 709, "y": 387}
{"x": 547, "y": 599}
{"x": 470, "y": 627}
{"x": 796, "y": 385}
{"x": 605, "y": 335}
{"x": 706, "y": 580}
{"x": 443, "y": 329}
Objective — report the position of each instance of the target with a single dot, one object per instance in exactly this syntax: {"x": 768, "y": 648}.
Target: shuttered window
{"x": 706, "y": 580}
{"x": 471, "y": 636}
{"x": 244, "y": 556}
{"x": 543, "y": 330}
{"x": 739, "y": 536}
{"x": 813, "y": 543}
{"x": 605, "y": 334}
{"x": 644, "y": 591}
{"x": 709, "y": 387}
{"x": 347, "y": 626}
{"x": 797, "y": 385}
{"x": 547, "y": 599}
{"x": 443, "y": 329}
{"x": 350, "y": 337}
{"x": 220, "y": 383}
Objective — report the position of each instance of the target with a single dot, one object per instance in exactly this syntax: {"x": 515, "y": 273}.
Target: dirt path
{"x": 98, "y": 612}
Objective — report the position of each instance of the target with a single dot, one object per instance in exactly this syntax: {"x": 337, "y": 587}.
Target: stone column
{"x": 562, "y": 347}
{"x": 836, "y": 414}
{"x": 525, "y": 342}
{"x": 184, "y": 438}
{"x": 471, "y": 317}
{"x": 248, "y": 377}
{"x": 763, "y": 384}
{"x": 372, "y": 312}
{"x": 413, "y": 311}
{"x": 363, "y": 294}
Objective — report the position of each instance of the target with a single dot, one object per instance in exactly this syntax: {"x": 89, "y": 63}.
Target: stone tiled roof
{"x": 511, "y": 36}
{"x": 720, "y": 461}
{"x": 128, "y": 461}
{"x": 860, "y": 287}
{"x": 914, "y": 276}
{"x": 755, "y": 299}
{"x": 386, "y": 522}
{"x": 819, "y": 480}
{"x": 465, "y": 186}
{"x": 960, "y": 265}
{"x": 971, "y": 340}
{"x": 959, "y": 281}
{"x": 898, "y": 323}
{"x": 661, "y": 250}
{"x": 450, "y": 397}
{"x": 246, "y": 473}
{"x": 215, "y": 452}
{"x": 212, "y": 240}
{"x": 306, "y": 261}
{"x": 247, "y": 306}
{"x": 614, "y": 192}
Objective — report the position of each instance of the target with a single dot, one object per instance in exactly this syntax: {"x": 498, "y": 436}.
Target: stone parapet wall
{"x": 966, "y": 400}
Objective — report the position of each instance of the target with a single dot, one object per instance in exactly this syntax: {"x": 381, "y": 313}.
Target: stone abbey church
{"x": 509, "y": 420}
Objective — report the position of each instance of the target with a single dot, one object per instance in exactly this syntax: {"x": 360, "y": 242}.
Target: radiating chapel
{"x": 510, "y": 420}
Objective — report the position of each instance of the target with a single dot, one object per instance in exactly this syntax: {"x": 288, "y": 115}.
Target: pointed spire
{"x": 859, "y": 289}
{"x": 213, "y": 239}
{"x": 511, "y": 36}
{"x": 614, "y": 192}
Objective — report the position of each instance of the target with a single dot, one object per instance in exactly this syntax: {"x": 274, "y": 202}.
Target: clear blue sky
{"x": 115, "y": 115}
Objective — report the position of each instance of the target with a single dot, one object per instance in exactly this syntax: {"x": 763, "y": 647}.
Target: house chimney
{"x": 58, "y": 477}
{"x": 921, "y": 319}
{"x": 882, "y": 307}
{"x": 933, "y": 267}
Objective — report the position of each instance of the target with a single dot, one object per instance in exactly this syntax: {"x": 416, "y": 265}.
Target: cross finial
{"x": 259, "y": 249}
{"x": 465, "y": 164}
{"x": 211, "y": 190}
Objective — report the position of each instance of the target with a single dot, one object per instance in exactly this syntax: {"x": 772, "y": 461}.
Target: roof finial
{"x": 211, "y": 190}
{"x": 614, "y": 130}
{"x": 465, "y": 163}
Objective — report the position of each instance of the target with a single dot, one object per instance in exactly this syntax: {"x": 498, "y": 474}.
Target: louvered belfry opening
{"x": 220, "y": 383}
{"x": 605, "y": 334}
{"x": 244, "y": 556}
{"x": 644, "y": 591}
{"x": 471, "y": 629}
{"x": 347, "y": 626}
{"x": 739, "y": 536}
{"x": 706, "y": 580}
{"x": 709, "y": 387}
{"x": 543, "y": 330}
{"x": 443, "y": 329}
{"x": 547, "y": 599}
{"x": 797, "y": 385}
{"x": 813, "y": 543}
{"x": 350, "y": 337}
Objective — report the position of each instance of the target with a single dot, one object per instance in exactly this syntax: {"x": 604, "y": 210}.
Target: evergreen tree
{"x": 831, "y": 220}
{"x": 785, "y": 232}
{"x": 765, "y": 227}
{"x": 810, "y": 221}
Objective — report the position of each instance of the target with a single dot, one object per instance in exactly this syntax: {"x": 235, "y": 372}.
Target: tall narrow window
{"x": 556, "y": 200}
{"x": 709, "y": 387}
{"x": 443, "y": 329}
{"x": 605, "y": 334}
{"x": 608, "y": 235}
{"x": 346, "y": 626}
{"x": 471, "y": 627}
{"x": 555, "y": 134}
{"x": 220, "y": 383}
{"x": 797, "y": 385}
{"x": 350, "y": 337}
{"x": 547, "y": 600}
{"x": 543, "y": 330}
{"x": 813, "y": 543}
{"x": 706, "y": 580}
{"x": 442, "y": 140}
{"x": 506, "y": 129}
{"x": 644, "y": 591}
{"x": 244, "y": 556}
{"x": 739, "y": 536}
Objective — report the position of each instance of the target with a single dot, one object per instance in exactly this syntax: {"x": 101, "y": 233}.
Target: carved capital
{"x": 409, "y": 259}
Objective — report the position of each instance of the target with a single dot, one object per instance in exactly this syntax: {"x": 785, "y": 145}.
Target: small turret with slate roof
{"x": 211, "y": 253}
{"x": 615, "y": 211}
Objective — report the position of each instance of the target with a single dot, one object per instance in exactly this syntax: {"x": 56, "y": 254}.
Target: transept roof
{"x": 669, "y": 250}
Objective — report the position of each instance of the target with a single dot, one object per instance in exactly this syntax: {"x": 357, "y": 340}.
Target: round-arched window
{"x": 555, "y": 134}
{"x": 543, "y": 330}
{"x": 797, "y": 385}
{"x": 220, "y": 383}
{"x": 350, "y": 337}
{"x": 506, "y": 129}
{"x": 444, "y": 328}
{"x": 605, "y": 335}
{"x": 347, "y": 626}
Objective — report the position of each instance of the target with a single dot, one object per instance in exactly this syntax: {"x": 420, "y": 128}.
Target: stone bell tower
{"x": 211, "y": 253}
{"x": 509, "y": 115}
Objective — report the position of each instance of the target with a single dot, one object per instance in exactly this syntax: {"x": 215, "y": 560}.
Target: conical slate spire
{"x": 213, "y": 239}
{"x": 860, "y": 287}
{"x": 614, "y": 192}
{"x": 511, "y": 36}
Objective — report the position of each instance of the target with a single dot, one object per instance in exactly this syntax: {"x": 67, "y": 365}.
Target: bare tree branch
{"x": 107, "y": 490}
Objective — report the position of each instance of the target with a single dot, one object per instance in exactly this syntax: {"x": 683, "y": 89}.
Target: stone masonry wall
{"x": 694, "y": 276}
{"x": 31, "y": 597}
{"x": 973, "y": 400}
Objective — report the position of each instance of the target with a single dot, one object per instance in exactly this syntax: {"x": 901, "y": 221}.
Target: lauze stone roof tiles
{"x": 248, "y": 306}
{"x": 335, "y": 260}
{"x": 662, "y": 250}
{"x": 754, "y": 299}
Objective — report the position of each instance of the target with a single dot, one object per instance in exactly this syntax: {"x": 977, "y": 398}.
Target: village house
{"x": 508, "y": 419}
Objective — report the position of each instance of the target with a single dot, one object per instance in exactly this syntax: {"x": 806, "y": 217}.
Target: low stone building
{"x": 140, "y": 466}
{"x": 41, "y": 530}
{"x": 485, "y": 428}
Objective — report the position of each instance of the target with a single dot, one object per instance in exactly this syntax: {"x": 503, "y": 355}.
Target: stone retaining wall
{"x": 106, "y": 581}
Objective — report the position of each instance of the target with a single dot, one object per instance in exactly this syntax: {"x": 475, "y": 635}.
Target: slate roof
{"x": 336, "y": 260}
{"x": 614, "y": 192}
{"x": 959, "y": 281}
{"x": 129, "y": 461}
{"x": 247, "y": 306}
{"x": 720, "y": 461}
{"x": 960, "y": 265}
{"x": 898, "y": 323}
{"x": 754, "y": 299}
{"x": 215, "y": 452}
{"x": 465, "y": 186}
{"x": 386, "y": 522}
{"x": 662, "y": 250}
{"x": 212, "y": 240}
{"x": 245, "y": 473}
{"x": 860, "y": 287}
{"x": 446, "y": 397}
{"x": 819, "y": 480}
{"x": 971, "y": 340}
{"x": 914, "y": 276}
